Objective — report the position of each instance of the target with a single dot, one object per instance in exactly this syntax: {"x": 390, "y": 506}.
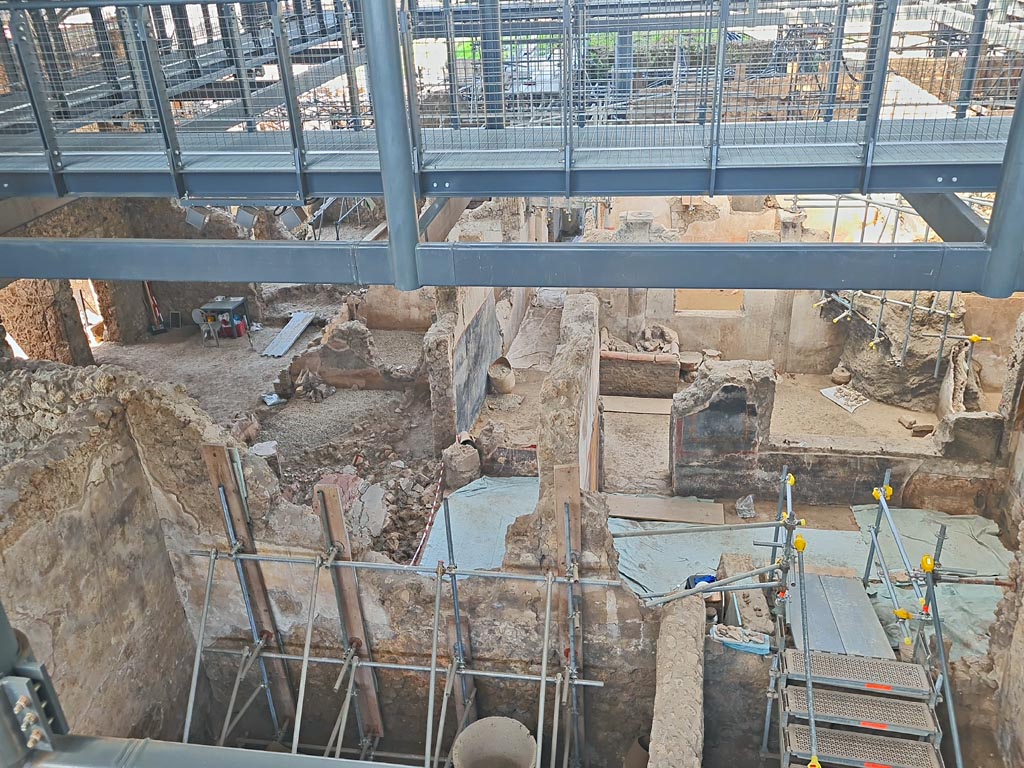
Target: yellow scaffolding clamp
{"x": 877, "y": 493}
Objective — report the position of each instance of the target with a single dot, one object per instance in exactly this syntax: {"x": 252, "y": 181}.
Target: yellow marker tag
{"x": 927, "y": 565}
{"x": 799, "y": 543}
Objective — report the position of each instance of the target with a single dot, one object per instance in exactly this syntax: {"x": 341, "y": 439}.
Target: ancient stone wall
{"x": 42, "y": 316}
{"x": 639, "y": 374}
{"x": 677, "y": 732}
{"x": 85, "y": 573}
{"x": 720, "y": 446}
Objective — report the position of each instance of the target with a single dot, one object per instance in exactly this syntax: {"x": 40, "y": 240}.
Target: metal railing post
{"x": 974, "y": 45}
{"x": 801, "y": 545}
{"x": 493, "y": 69}
{"x": 940, "y": 649}
{"x": 291, "y": 97}
{"x": 878, "y": 525}
{"x": 394, "y": 145}
{"x": 157, "y": 86}
{"x": 351, "y": 81}
{"x": 835, "y": 64}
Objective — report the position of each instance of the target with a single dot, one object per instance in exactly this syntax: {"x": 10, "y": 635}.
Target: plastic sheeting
{"x": 481, "y": 513}
{"x": 967, "y": 610}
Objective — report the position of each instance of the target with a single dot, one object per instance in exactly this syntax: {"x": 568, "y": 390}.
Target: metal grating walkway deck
{"x": 848, "y": 748}
{"x": 875, "y": 713}
{"x": 891, "y": 678}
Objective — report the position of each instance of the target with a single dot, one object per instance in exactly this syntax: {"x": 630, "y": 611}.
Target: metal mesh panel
{"x": 856, "y": 748}
{"x": 17, "y": 129}
{"x": 489, "y": 85}
{"x": 860, "y": 670}
{"x": 854, "y": 706}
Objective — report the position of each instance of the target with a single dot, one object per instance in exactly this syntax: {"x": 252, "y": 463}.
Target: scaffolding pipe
{"x": 243, "y": 665}
{"x": 807, "y": 652}
{"x": 544, "y": 668}
{"x": 304, "y": 673}
{"x": 893, "y": 598}
{"x": 346, "y": 707}
{"x": 695, "y": 529}
{"x": 570, "y": 570}
{"x": 554, "y": 721}
{"x": 414, "y": 569}
{"x": 778, "y": 511}
{"x": 241, "y": 712}
{"x": 940, "y": 649}
{"x": 878, "y": 525}
{"x": 343, "y": 712}
{"x": 714, "y": 586}
{"x": 487, "y": 674}
{"x": 433, "y": 666}
{"x": 448, "y": 686}
{"x": 460, "y": 649}
{"x": 199, "y": 647}
{"x": 899, "y": 543}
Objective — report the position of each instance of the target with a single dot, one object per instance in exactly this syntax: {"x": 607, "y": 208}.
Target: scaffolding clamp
{"x": 877, "y": 492}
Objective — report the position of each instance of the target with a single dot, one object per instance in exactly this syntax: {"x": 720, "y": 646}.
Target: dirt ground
{"x": 300, "y": 424}
{"x": 534, "y": 344}
{"x": 801, "y": 409}
{"x": 520, "y": 419}
{"x": 226, "y": 380}
{"x": 398, "y": 347}
{"x": 635, "y": 453}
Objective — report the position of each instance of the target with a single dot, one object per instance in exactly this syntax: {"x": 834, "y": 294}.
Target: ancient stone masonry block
{"x": 720, "y": 423}
{"x": 41, "y": 315}
{"x": 677, "y": 733}
{"x": 970, "y": 436}
{"x": 639, "y": 374}
{"x": 346, "y": 358}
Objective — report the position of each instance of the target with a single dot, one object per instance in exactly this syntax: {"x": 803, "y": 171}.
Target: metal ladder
{"x": 872, "y": 713}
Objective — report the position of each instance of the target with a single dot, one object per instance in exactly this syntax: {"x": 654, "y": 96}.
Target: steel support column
{"x": 21, "y": 37}
{"x": 156, "y": 13}
{"x": 493, "y": 68}
{"x": 835, "y": 64}
{"x": 974, "y": 45}
{"x": 1006, "y": 227}
{"x": 394, "y": 144}
{"x": 291, "y": 98}
{"x": 157, "y": 87}
{"x": 878, "y": 66}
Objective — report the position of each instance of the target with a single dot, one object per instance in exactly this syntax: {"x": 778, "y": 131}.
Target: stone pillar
{"x": 677, "y": 731}
{"x": 41, "y": 315}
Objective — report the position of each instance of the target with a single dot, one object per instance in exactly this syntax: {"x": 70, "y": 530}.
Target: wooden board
{"x": 670, "y": 509}
{"x": 660, "y": 406}
{"x": 346, "y": 585}
{"x": 222, "y": 475}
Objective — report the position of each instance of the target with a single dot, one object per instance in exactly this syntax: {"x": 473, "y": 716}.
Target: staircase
{"x": 869, "y": 712}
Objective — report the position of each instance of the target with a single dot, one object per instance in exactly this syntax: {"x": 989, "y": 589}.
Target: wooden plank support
{"x": 222, "y": 475}
{"x": 346, "y": 587}
{"x": 470, "y": 687}
{"x": 567, "y": 490}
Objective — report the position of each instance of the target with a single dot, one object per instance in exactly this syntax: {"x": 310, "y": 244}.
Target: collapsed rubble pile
{"x": 396, "y": 495}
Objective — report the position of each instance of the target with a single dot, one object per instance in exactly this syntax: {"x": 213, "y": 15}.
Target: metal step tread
{"x": 849, "y": 748}
{"x": 876, "y": 713}
{"x": 289, "y": 334}
{"x": 890, "y": 678}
